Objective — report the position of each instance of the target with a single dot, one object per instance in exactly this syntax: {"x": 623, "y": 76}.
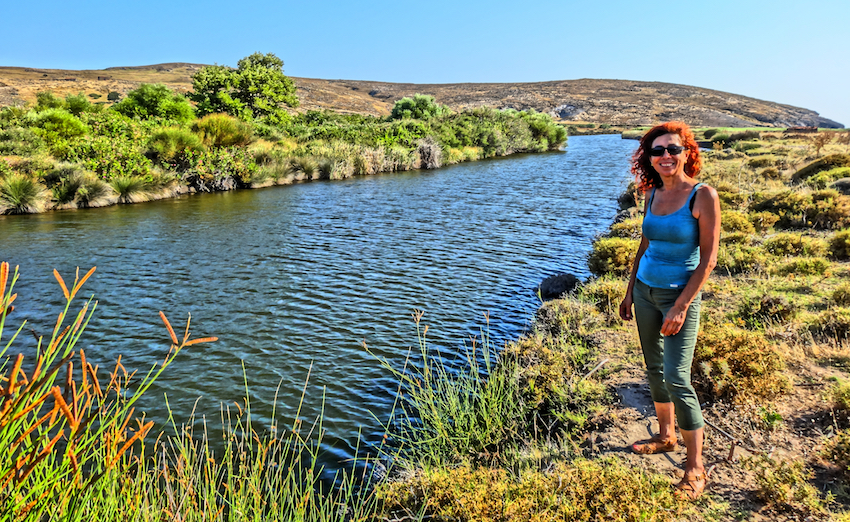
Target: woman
{"x": 678, "y": 250}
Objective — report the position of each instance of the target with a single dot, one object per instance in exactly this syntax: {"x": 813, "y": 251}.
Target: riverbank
{"x": 771, "y": 367}
{"x": 65, "y": 154}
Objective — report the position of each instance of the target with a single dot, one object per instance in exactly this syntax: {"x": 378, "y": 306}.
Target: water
{"x": 300, "y": 276}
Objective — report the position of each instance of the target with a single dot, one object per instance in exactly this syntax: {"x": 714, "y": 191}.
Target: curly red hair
{"x": 645, "y": 176}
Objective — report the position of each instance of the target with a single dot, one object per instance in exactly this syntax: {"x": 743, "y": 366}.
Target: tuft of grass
{"x": 20, "y": 194}
{"x": 130, "y": 189}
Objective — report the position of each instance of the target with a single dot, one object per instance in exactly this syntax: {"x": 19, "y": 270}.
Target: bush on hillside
{"x": 839, "y": 245}
{"x": 420, "y": 107}
{"x": 57, "y": 123}
{"x": 734, "y": 221}
{"x": 155, "y": 101}
{"x": 791, "y": 244}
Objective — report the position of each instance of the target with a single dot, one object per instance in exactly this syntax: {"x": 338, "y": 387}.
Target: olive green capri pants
{"x": 668, "y": 358}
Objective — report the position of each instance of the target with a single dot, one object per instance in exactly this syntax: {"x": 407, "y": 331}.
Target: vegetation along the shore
{"x": 72, "y": 153}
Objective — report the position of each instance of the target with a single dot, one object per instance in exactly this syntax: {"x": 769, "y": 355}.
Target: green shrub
{"x": 48, "y": 100}
{"x": 763, "y": 221}
{"x": 744, "y": 146}
{"x": 826, "y": 163}
{"x": 721, "y": 138}
{"x": 825, "y": 178}
{"x": 91, "y": 191}
{"x": 760, "y": 162}
{"x": 110, "y": 157}
{"x": 824, "y": 209}
{"x": 169, "y": 143}
{"x": 736, "y": 238}
{"x": 613, "y": 255}
{"x": 806, "y": 266}
{"x": 709, "y": 133}
{"x": 790, "y": 244}
{"x": 840, "y": 395}
{"x": 745, "y": 135}
{"x": 734, "y": 221}
{"x": 20, "y": 194}
{"x": 113, "y": 96}
{"x": 839, "y": 245}
{"x": 730, "y": 198}
{"x": 20, "y": 141}
{"x": 420, "y": 107}
{"x": 58, "y": 123}
{"x": 77, "y": 104}
{"x": 737, "y": 364}
{"x": 305, "y": 165}
{"x": 222, "y": 130}
{"x": 155, "y": 101}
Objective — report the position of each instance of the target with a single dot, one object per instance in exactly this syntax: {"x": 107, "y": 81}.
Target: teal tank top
{"x": 673, "y": 252}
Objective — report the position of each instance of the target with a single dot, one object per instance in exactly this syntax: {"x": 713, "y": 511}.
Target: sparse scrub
{"x": 831, "y": 324}
{"x": 762, "y": 221}
{"x": 628, "y": 229}
{"x": 770, "y": 308}
{"x": 837, "y": 452}
{"x": 734, "y": 221}
{"x": 806, "y": 266}
{"x": 738, "y": 259}
{"x": 760, "y": 162}
{"x": 841, "y": 295}
{"x": 606, "y": 292}
{"x": 170, "y": 143}
{"x": 839, "y": 245}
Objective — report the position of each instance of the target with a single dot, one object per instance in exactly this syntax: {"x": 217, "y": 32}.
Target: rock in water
{"x": 557, "y": 285}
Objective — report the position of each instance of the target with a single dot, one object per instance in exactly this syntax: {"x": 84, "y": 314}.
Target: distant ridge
{"x": 616, "y": 102}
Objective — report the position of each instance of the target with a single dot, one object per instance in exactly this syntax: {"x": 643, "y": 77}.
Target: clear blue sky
{"x": 785, "y": 51}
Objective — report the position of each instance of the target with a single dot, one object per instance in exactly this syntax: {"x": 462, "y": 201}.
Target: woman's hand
{"x": 674, "y": 320}
{"x": 626, "y": 307}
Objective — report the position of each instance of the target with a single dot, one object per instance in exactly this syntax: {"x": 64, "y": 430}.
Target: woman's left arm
{"x": 707, "y": 213}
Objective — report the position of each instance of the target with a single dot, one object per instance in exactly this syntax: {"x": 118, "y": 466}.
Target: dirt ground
{"x": 806, "y": 422}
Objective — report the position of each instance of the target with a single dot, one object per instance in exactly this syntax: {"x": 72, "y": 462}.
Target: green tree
{"x": 420, "y": 107}
{"x": 256, "y": 89}
{"x": 155, "y": 100}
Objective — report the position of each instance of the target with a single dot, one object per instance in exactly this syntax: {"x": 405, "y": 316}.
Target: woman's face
{"x": 667, "y": 164}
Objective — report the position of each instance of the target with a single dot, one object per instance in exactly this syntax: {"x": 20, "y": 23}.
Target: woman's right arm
{"x": 626, "y": 305}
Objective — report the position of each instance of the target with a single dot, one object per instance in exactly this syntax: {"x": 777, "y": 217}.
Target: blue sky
{"x": 792, "y": 52}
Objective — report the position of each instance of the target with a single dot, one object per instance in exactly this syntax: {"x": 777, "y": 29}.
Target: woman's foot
{"x": 691, "y": 486}
{"x": 654, "y": 445}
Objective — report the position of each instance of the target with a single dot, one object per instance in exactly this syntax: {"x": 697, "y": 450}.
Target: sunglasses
{"x": 672, "y": 149}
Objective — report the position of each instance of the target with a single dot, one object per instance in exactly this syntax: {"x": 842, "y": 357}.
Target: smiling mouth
{"x": 667, "y": 164}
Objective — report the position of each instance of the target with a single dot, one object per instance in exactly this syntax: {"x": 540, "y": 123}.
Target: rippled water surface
{"x": 299, "y": 276}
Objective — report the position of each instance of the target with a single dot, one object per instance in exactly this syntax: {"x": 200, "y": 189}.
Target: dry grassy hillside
{"x": 619, "y": 102}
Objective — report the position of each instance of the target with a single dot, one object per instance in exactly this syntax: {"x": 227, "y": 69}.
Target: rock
{"x": 627, "y": 200}
{"x": 841, "y": 185}
{"x": 557, "y": 285}
{"x": 625, "y": 214}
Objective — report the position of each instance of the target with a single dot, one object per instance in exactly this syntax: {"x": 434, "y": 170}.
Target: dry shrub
{"x": 629, "y": 229}
{"x": 737, "y": 364}
{"x": 738, "y": 259}
{"x": 581, "y": 490}
{"x": 784, "y": 486}
{"x": 768, "y": 307}
{"x": 430, "y": 153}
{"x": 840, "y": 395}
{"x": 826, "y": 163}
{"x": 841, "y": 295}
{"x": 761, "y": 162}
{"x": 612, "y": 255}
{"x": 839, "y": 245}
{"x": 552, "y": 389}
{"x": 806, "y": 266}
{"x": 763, "y": 221}
{"x": 790, "y": 244}
{"x": 730, "y": 198}
{"x": 734, "y": 221}
{"x": 606, "y": 292}
{"x": 837, "y": 452}
{"x": 770, "y": 173}
{"x": 736, "y": 238}
{"x": 832, "y": 324}
{"x": 823, "y": 209}
{"x": 568, "y": 317}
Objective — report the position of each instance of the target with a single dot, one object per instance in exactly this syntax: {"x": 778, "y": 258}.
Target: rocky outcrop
{"x": 557, "y": 285}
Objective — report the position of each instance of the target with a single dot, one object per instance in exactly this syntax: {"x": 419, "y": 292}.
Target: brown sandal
{"x": 691, "y": 487}
{"x": 654, "y": 445}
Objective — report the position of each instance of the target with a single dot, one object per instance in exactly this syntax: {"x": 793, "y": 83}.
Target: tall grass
{"x": 130, "y": 189}
{"x": 449, "y": 415}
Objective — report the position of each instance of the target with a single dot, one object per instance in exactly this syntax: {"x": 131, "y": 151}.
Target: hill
{"x": 616, "y": 102}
